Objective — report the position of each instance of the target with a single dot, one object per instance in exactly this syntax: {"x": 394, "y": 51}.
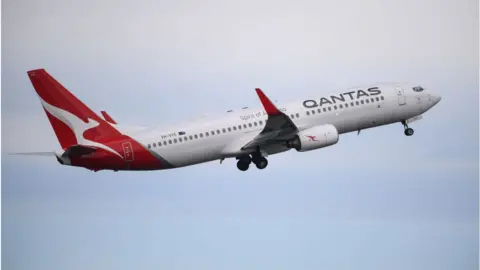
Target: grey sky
{"x": 380, "y": 200}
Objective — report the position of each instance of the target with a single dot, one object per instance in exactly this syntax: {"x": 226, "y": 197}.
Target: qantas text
{"x": 310, "y": 103}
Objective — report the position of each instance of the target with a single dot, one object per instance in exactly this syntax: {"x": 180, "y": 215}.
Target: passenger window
{"x": 292, "y": 116}
{"x": 372, "y": 100}
{"x": 169, "y": 141}
{"x": 164, "y": 143}
{"x": 206, "y": 134}
{"x": 319, "y": 110}
{"x": 341, "y": 107}
{"x": 377, "y": 99}
{"x": 185, "y": 138}
{"x": 381, "y": 98}
{"x": 313, "y": 111}
{"x": 223, "y": 130}
{"x": 149, "y": 146}
{"x": 329, "y": 109}
{"x": 196, "y": 137}
{"x": 260, "y": 123}
{"x": 249, "y": 124}
{"x": 244, "y": 125}
{"x": 180, "y": 139}
{"x": 154, "y": 145}
{"x": 201, "y": 135}
{"x": 308, "y": 113}
{"x": 174, "y": 140}
{"x": 191, "y": 137}
{"x": 346, "y": 105}
{"x": 255, "y": 123}
{"x": 361, "y": 101}
{"x": 367, "y": 101}
{"x": 351, "y": 104}
{"x": 218, "y": 131}
{"x": 297, "y": 115}
{"x": 234, "y": 128}
{"x": 324, "y": 109}
{"x": 229, "y": 129}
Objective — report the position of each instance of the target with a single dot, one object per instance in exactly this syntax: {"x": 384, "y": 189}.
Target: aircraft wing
{"x": 278, "y": 127}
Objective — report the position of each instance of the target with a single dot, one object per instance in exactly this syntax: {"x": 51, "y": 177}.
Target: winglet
{"x": 267, "y": 104}
{"x": 108, "y": 118}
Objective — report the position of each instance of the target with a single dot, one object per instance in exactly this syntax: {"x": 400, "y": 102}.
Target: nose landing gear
{"x": 408, "y": 131}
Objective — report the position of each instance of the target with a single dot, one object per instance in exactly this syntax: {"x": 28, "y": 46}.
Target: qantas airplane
{"x": 249, "y": 135}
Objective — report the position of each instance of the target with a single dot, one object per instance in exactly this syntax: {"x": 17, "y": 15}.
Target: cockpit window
{"x": 418, "y": 89}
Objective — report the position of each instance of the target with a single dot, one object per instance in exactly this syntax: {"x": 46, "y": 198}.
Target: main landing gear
{"x": 408, "y": 131}
{"x": 244, "y": 161}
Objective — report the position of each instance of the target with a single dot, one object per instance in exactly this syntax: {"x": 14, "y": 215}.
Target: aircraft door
{"x": 400, "y": 96}
{"x": 128, "y": 151}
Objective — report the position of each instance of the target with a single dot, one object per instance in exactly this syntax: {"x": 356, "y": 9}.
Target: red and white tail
{"x": 73, "y": 122}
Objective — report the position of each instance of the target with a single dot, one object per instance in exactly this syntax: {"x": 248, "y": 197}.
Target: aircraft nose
{"x": 435, "y": 98}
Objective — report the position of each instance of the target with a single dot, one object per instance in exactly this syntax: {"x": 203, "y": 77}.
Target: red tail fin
{"x": 71, "y": 120}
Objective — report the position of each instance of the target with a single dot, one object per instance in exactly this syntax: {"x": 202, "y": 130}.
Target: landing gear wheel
{"x": 408, "y": 132}
{"x": 261, "y": 163}
{"x": 243, "y": 163}
{"x": 242, "y": 166}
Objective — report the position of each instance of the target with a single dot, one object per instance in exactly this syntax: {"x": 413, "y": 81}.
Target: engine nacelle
{"x": 314, "y": 138}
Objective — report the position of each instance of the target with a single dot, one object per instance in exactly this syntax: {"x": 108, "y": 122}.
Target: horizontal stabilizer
{"x": 107, "y": 117}
{"x": 40, "y": 154}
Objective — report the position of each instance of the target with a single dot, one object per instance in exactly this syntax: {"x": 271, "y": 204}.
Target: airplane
{"x": 248, "y": 135}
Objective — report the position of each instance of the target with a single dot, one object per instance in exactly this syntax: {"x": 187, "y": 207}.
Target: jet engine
{"x": 314, "y": 138}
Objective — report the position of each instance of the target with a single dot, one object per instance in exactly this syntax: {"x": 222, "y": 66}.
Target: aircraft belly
{"x": 193, "y": 153}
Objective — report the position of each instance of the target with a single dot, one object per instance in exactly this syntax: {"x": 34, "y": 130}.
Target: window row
{"x": 259, "y": 123}
{"x": 346, "y": 105}
{"x": 205, "y": 134}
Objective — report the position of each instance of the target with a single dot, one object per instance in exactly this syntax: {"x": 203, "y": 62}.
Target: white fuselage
{"x": 222, "y": 137}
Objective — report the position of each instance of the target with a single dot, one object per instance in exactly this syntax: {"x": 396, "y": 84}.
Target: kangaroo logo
{"x": 77, "y": 126}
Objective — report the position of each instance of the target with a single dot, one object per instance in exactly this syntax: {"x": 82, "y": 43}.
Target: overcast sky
{"x": 380, "y": 200}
